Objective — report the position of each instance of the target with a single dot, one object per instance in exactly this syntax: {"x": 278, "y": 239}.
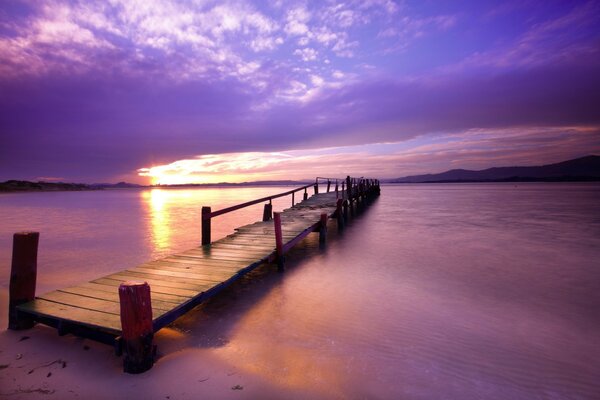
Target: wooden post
{"x": 293, "y": 199}
{"x": 278, "y": 241}
{"x": 339, "y": 214}
{"x": 205, "y": 225}
{"x": 305, "y": 195}
{"x": 23, "y": 275}
{"x": 328, "y": 185}
{"x": 343, "y": 189}
{"x": 337, "y": 192}
{"x": 317, "y": 188}
{"x": 136, "y": 326}
{"x": 268, "y": 212}
{"x": 323, "y": 229}
{"x": 345, "y": 210}
{"x": 349, "y": 187}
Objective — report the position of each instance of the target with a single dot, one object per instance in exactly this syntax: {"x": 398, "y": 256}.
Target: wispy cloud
{"x": 475, "y": 149}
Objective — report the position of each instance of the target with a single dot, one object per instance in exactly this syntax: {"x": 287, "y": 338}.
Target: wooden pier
{"x": 124, "y": 309}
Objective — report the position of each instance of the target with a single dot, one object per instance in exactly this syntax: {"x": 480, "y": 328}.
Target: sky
{"x": 158, "y": 91}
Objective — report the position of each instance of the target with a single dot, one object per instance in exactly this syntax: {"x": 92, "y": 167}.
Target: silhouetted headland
{"x": 584, "y": 169}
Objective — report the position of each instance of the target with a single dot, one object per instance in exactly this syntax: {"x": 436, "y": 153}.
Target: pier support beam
{"x": 268, "y": 212}
{"x": 278, "y": 241}
{"x": 323, "y": 229}
{"x": 339, "y": 214}
{"x": 345, "y": 205}
{"x": 205, "y": 225}
{"x": 136, "y": 324}
{"x": 23, "y": 275}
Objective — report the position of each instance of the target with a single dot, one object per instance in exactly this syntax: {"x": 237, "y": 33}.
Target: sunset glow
{"x": 213, "y": 91}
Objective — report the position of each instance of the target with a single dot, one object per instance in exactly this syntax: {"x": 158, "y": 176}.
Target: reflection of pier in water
{"x": 118, "y": 309}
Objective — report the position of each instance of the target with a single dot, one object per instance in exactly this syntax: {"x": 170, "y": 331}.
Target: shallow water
{"x": 450, "y": 291}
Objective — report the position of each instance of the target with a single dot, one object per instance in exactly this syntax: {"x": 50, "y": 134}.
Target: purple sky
{"x": 226, "y": 90}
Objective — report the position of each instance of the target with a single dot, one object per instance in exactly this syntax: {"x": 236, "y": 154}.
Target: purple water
{"x": 486, "y": 291}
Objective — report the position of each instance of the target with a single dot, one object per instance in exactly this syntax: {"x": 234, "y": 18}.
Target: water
{"x": 487, "y": 291}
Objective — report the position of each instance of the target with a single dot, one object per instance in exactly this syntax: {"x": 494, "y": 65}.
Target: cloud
{"x": 475, "y": 149}
{"x": 95, "y": 91}
{"x": 306, "y": 54}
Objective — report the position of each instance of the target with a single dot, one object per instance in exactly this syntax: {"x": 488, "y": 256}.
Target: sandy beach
{"x": 37, "y": 364}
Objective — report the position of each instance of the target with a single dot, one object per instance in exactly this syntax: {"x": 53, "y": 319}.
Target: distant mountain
{"x": 120, "y": 185}
{"x": 580, "y": 169}
{"x": 27, "y": 186}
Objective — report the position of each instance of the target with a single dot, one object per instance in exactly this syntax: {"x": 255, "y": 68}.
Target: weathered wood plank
{"x": 78, "y": 315}
{"x": 110, "y": 288}
{"x": 157, "y": 285}
{"x": 185, "y": 276}
{"x": 157, "y": 302}
{"x": 159, "y": 279}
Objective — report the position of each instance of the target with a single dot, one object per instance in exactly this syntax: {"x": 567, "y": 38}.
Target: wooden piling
{"x": 316, "y": 188}
{"x": 205, "y": 225}
{"x": 293, "y": 199}
{"x": 345, "y": 205}
{"x": 328, "y": 185}
{"x": 278, "y": 241}
{"x": 339, "y": 214}
{"x": 23, "y": 275}
{"x": 305, "y": 195}
{"x": 136, "y": 323}
{"x": 268, "y": 212}
{"x": 323, "y": 229}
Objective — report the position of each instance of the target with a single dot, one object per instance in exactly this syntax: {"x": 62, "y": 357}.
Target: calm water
{"x": 487, "y": 291}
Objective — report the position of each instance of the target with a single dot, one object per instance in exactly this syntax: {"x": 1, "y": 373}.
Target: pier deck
{"x": 181, "y": 281}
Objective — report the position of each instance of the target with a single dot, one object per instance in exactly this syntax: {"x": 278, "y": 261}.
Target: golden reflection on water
{"x": 286, "y": 359}
{"x": 156, "y": 206}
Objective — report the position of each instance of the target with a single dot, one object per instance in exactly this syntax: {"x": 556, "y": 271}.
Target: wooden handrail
{"x": 347, "y": 183}
{"x": 252, "y": 202}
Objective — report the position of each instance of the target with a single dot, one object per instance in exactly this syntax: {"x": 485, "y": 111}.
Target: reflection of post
{"x": 205, "y": 225}
{"x": 23, "y": 274}
{"x": 278, "y": 240}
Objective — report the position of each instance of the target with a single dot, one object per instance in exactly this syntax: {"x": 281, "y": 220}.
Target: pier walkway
{"x": 118, "y": 309}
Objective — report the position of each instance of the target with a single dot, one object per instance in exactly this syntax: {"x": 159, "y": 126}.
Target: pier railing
{"x": 351, "y": 188}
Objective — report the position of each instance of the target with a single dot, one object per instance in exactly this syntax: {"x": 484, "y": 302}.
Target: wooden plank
{"x": 96, "y": 319}
{"x": 196, "y": 267}
{"x": 114, "y": 297}
{"x": 161, "y": 279}
{"x": 108, "y": 288}
{"x": 155, "y": 285}
{"x": 82, "y": 302}
{"x": 249, "y": 259}
{"x": 236, "y": 248}
{"x": 243, "y": 254}
{"x": 186, "y": 276}
{"x": 196, "y": 261}
{"x": 187, "y": 268}
{"x": 90, "y": 303}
